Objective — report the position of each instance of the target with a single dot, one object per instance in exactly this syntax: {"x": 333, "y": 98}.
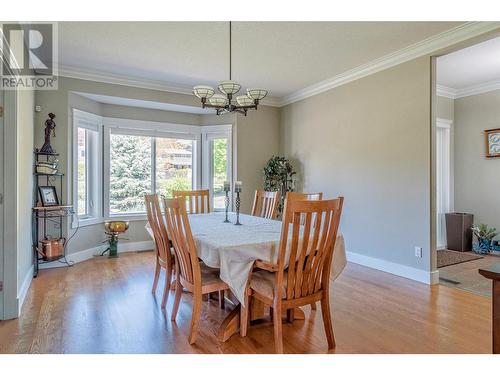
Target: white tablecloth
{"x": 234, "y": 248}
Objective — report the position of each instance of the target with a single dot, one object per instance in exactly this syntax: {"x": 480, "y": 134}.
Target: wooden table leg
{"x": 496, "y": 316}
{"x": 231, "y": 324}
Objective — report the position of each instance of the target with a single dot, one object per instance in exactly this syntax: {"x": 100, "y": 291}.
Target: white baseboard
{"x": 25, "y": 286}
{"x": 82, "y": 255}
{"x": 412, "y": 273}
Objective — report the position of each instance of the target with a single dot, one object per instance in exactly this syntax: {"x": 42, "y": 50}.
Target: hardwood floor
{"x": 465, "y": 276}
{"x": 106, "y": 306}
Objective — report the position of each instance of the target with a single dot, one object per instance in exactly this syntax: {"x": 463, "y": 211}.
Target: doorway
{"x": 467, "y": 185}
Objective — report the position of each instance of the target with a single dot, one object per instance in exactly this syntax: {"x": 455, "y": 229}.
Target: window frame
{"x": 105, "y": 126}
{"x": 209, "y": 134}
{"x": 153, "y": 130}
{"x": 89, "y": 122}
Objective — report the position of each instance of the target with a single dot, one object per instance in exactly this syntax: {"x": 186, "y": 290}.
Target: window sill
{"x": 94, "y": 221}
{"x": 128, "y": 217}
{"x": 83, "y": 222}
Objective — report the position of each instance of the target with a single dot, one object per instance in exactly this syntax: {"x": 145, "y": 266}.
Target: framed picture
{"x": 492, "y": 143}
{"x": 48, "y": 196}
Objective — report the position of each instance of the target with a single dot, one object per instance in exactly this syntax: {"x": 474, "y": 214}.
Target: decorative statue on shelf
{"x": 50, "y": 127}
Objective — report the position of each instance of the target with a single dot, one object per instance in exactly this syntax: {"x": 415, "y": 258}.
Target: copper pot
{"x": 53, "y": 249}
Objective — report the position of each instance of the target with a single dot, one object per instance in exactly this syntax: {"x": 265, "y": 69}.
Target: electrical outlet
{"x": 418, "y": 252}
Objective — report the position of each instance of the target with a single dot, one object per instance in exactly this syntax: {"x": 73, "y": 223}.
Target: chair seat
{"x": 209, "y": 275}
{"x": 263, "y": 283}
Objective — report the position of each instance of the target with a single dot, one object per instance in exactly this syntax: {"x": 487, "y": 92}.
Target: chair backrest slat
{"x": 182, "y": 238}
{"x": 159, "y": 229}
{"x": 293, "y": 195}
{"x": 198, "y": 200}
{"x": 309, "y": 245}
{"x": 265, "y": 204}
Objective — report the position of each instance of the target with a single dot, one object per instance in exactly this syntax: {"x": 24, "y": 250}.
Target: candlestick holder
{"x": 227, "y": 206}
{"x": 237, "y": 202}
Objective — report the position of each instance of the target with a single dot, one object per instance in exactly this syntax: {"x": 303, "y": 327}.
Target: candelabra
{"x": 237, "y": 202}
{"x": 227, "y": 204}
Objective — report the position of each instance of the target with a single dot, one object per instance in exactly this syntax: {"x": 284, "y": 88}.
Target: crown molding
{"x": 478, "y": 89}
{"x": 427, "y": 46}
{"x": 481, "y": 88}
{"x": 446, "y": 92}
{"x": 116, "y": 79}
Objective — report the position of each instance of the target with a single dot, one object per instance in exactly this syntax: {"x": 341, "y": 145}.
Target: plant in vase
{"x": 279, "y": 176}
{"x": 484, "y": 236}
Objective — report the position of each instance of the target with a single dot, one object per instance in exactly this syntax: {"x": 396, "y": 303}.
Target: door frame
{"x": 1, "y": 203}
{"x": 10, "y": 301}
{"x": 447, "y": 124}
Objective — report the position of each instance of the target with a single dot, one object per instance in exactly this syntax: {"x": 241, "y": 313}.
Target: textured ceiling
{"x": 470, "y": 66}
{"x": 281, "y": 56}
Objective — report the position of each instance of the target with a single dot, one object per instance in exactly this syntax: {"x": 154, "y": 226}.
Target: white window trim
{"x": 153, "y": 129}
{"x": 210, "y": 133}
{"x": 147, "y": 128}
{"x": 82, "y": 119}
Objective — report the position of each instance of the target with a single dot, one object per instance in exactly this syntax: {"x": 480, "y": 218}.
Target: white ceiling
{"x": 281, "y": 56}
{"x": 471, "y": 66}
{"x": 145, "y": 104}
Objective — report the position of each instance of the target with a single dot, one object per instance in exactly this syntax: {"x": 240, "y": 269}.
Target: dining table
{"x": 233, "y": 249}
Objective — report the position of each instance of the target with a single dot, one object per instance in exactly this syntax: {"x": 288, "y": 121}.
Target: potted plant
{"x": 484, "y": 236}
{"x": 278, "y": 176}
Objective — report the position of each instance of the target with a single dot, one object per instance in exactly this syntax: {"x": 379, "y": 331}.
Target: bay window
{"x": 143, "y": 157}
{"x": 87, "y": 166}
{"x": 118, "y": 161}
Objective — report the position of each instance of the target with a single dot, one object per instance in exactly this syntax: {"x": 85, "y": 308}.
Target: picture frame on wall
{"x": 48, "y": 196}
{"x": 492, "y": 143}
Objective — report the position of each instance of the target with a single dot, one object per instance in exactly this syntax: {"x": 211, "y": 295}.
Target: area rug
{"x": 450, "y": 257}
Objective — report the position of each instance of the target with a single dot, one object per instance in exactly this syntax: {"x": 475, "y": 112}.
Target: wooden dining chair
{"x": 164, "y": 254}
{"x": 265, "y": 204}
{"x": 198, "y": 201}
{"x": 192, "y": 274}
{"x": 294, "y": 195}
{"x": 305, "y": 279}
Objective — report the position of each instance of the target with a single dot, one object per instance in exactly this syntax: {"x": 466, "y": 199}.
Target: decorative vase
{"x": 482, "y": 246}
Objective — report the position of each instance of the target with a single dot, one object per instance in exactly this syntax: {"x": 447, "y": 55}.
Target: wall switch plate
{"x": 418, "y": 252}
{"x": 38, "y": 108}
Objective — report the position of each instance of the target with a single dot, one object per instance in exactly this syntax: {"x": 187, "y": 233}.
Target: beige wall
{"x": 369, "y": 141}
{"x": 258, "y": 140}
{"x": 258, "y": 133}
{"x": 445, "y": 108}
{"x": 477, "y": 182}
{"x": 26, "y": 105}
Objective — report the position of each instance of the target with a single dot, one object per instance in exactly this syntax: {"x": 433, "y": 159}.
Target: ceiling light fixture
{"x": 223, "y": 103}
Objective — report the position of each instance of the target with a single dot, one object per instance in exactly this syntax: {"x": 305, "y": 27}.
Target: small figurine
{"x": 50, "y": 126}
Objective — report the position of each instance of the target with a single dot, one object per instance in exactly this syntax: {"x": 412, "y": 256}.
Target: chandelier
{"x": 223, "y": 103}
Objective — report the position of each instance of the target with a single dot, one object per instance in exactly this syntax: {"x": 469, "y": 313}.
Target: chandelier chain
{"x": 223, "y": 102}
